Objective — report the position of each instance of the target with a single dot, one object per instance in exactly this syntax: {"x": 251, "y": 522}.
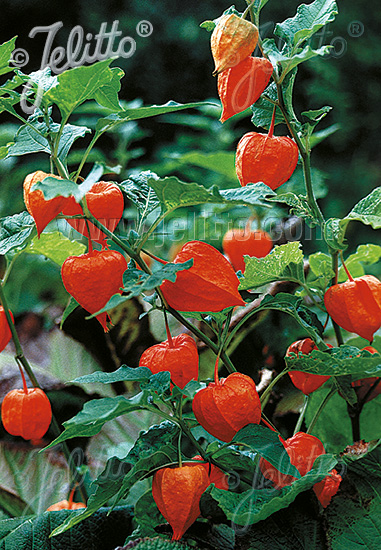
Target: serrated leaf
{"x": 29, "y": 139}
{"x": 15, "y": 231}
{"x": 337, "y": 362}
{"x": 308, "y": 20}
{"x": 96, "y": 413}
{"x": 267, "y": 444}
{"x": 152, "y": 449}
{"x": 55, "y": 246}
{"x": 101, "y": 531}
{"x": 6, "y": 50}
{"x": 123, "y": 374}
{"x": 255, "y": 505}
{"x": 140, "y": 193}
{"x": 173, "y": 193}
{"x": 366, "y": 254}
{"x": 137, "y": 282}
{"x": 293, "y": 305}
{"x": 78, "y": 85}
{"x": 299, "y": 206}
{"x": 283, "y": 263}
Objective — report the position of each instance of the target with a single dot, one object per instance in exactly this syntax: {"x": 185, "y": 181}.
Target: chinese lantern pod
{"x": 209, "y": 285}
{"x": 231, "y": 41}
{"x": 105, "y": 202}
{"x": 65, "y": 505}
{"x": 304, "y": 381}
{"x": 216, "y": 475}
{"x": 302, "y": 449}
{"x": 92, "y": 279}
{"x": 242, "y": 85}
{"x": 177, "y": 493}
{"x": 265, "y": 158}
{"x": 180, "y": 359}
{"x": 240, "y": 242}
{"x": 26, "y": 414}
{"x": 5, "y": 331}
{"x": 327, "y": 488}
{"x": 42, "y": 211}
{"x": 356, "y": 305}
{"x": 223, "y": 408}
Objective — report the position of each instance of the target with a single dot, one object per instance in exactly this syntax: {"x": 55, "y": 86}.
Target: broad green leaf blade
{"x": 256, "y": 505}
{"x": 107, "y": 95}
{"x": 366, "y": 254}
{"x": 289, "y": 63}
{"x": 29, "y": 139}
{"x": 6, "y": 50}
{"x": 152, "y": 449}
{"x": 78, "y": 85}
{"x": 284, "y": 263}
{"x": 338, "y": 362}
{"x": 53, "y": 187}
{"x": 123, "y": 374}
{"x": 293, "y": 305}
{"x": 155, "y": 110}
{"x": 15, "y": 231}
{"x": 103, "y": 530}
{"x": 267, "y": 444}
{"x": 96, "y": 413}
{"x": 334, "y": 426}
{"x": 354, "y": 516}
{"x": 55, "y": 246}
{"x": 137, "y": 282}
{"x": 221, "y": 162}
{"x": 308, "y": 20}
{"x": 321, "y": 265}
{"x": 298, "y": 207}
{"x": 140, "y": 193}
{"x": 368, "y": 210}
{"x": 173, "y": 193}
{"x": 263, "y": 108}
{"x": 334, "y": 233}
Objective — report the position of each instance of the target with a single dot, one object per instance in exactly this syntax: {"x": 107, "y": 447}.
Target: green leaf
{"x": 368, "y": 210}
{"x": 140, "y": 193}
{"x": 334, "y": 233}
{"x": 299, "y": 206}
{"x": 71, "y": 306}
{"x": 55, "y": 246}
{"x": 333, "y": 425}
{"x": 123, "y": 374}
{"x": 321, "y": 265}
{"x": 288, "y": 63}
{"x": 53, "y": 187}
{"x": 337, "y": 362}
{"x": 152, "y": 449}
{"x": 103, "y": 530}
{"x": 15, "y": 231}
{"x": 208, "y": 25}
{"x": 284, "y": 263}
{"x": 320, "y": 136}
{"x": 158, "y": 385}
{"x": 263, "y": 109}
{"x": 353, "y": 517}
{"x": 107, "y": 95}
{"x": 297, "y": 185}
{"x": 314, "y": 117}
{"x": 96, "y": 413}
{"x": 173, "y": 193}
{"x": 147, "y": 516}
{"x": 256, "y": 505}
{"x": 267, "y": 444}
{"x": 221, "y": 162}
{"x": 308, "y": 20}
{"x": 6, "y": 50}
{"x": 80, "y": 84}
{"x": 29, "y": 139}
{"x": 366, "y": 254}
{"x": 136, "y": 282}
{"x": 293, "y": 305}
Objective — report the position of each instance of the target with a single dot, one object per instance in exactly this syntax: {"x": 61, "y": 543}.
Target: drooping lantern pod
{"x": 304, "y": 381}
{"x": 240, "y": 242}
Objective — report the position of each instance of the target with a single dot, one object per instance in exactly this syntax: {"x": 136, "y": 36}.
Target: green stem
{"x": 269, "y": 388}
{"x": 306, "y": 161}
{"x": 21, "y": 359}
{"x": 301, "y": 415}
{"x": 354, "y": 415}
{"x": 320, "y": 409}
{"x": 85, "y": 155}
{"x": 335, "y": 267}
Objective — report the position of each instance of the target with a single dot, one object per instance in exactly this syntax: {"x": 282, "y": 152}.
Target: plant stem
{"x": 301, "y": 415}
{"x": 335, "y": 267}
{"x": 21, "y": 359}
{"x": 267, "y": 391}
{"x": 354, "y": 415}
{"x": 320, "y": 409}
{"x": 306, "y": 161}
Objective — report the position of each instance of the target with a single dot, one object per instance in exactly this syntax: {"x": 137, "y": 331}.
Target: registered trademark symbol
{"x": 144, "y": 28}
{"x": 356, "y": 29}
